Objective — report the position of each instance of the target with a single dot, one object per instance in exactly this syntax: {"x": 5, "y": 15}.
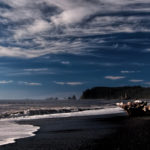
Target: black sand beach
{"x": 134, "y": 134}
{"x": 89, "y": 133}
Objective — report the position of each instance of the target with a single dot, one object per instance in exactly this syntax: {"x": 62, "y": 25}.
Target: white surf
{"x": 10, "y": 131}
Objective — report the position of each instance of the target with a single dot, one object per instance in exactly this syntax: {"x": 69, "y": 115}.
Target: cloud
{"x": 21, "y": 53}
{"x": 74, "y": 15}
{"x": 57, "y": 47}
{"x": 69, "y": 83}
{"x": 6, "y": 81}
{"x": 35, "y": 28}
{"x": 38, "y": 26}
{"x": 65, "y": 62}
{"x": 148, "y": 83}
{"x": 30, "y": 83}
{"x": 139, "y": 64}
{"x": 36, "y": 69}
{"x": 147, "y": 50}
{"x": 114, "y": 77}
{"x": 105, "y": 64}
{"x": 28, "y": 72}
{"x": 127, "y": 72}
{"x": 136, "y": 81}
{"x": 74, "y": 83}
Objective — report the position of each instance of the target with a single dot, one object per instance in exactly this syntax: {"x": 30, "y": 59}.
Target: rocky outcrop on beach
{"x": 135, "y": 108}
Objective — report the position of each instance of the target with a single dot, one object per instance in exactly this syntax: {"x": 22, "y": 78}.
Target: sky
{"x": 59, "y": 48}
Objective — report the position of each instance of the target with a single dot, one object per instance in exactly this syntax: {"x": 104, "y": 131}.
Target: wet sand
{"x": 87, "y": 133}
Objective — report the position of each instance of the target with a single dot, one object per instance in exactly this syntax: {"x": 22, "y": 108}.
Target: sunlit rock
{"x": 136, "y": 108}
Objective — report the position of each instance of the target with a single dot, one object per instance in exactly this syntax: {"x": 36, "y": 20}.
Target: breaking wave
{"x": 10, "y": 131}
{"x": 59, "y": 112}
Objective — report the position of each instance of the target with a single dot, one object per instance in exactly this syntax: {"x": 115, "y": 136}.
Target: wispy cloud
{"x": 139, "y": 64}
{"x": 147, "y": 50}
{"x": 21, "y": 52}
{"x": 65, "y": 62}
{"x": 36, "y": 69}
{"x": 136, "y": 81}
{"x": 128, "y": 71}
{"x": 114, "y": 77}
{"x": 147, "y": 83}
{"x": 29, "y": 72}
{"x": 6, "y": 81}
{"x": 75, "y": 83}
{"x": 75, "y": 13}
{"x": 105, "y": 64}
{"x": 69, "y": 83}
{"x": 30, "y": 83}
{"x": 33, "y": 28}
{"x": 38, "y": 26}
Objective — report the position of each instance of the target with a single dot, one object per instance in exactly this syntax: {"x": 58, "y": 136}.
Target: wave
{"x": 69, "y": 113}
{"x": 43, "y": 111}
{"x": 10, "y": 131}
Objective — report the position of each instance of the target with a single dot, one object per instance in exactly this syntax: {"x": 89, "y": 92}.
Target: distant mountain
{"x": 126, "y": 92}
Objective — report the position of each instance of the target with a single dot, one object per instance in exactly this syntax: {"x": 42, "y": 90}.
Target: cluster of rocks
{"x": 135, "y": 108}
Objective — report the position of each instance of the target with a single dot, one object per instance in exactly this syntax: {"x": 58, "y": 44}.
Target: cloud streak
{"x": 6, "y": 81}
{"x": 30, "y": 83}
{"x": 69, "y": 83}
{"x": 114, "y": 77}
{"x": 128, "y": 72}
{"x": 20, "y": 52}
{"x": 65, "y": 62}
{"x": 36, "y": 69}
{"x": 136, "y": 81}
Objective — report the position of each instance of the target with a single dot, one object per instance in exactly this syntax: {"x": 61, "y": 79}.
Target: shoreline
{"x": 88, "y": 132}
{"x": 66, "y": 133}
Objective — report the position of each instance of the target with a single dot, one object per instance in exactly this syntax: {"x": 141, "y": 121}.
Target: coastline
{"x": 86, "y": 132}
{"x": 67, "y": 133}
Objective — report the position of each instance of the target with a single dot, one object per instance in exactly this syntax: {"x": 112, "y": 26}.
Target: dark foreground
{"x": 87, "y": 133}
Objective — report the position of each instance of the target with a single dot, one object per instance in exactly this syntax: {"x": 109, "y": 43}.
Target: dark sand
{"x": 87, "y": 133}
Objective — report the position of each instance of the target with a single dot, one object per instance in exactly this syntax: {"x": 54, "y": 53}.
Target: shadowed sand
{"x": 87, "y": 133}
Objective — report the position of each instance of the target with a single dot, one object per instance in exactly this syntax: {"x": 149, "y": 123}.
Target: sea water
{"x": 10, "y": 130}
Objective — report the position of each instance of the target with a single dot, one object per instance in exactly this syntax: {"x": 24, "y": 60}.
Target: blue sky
{"x": 62, "y": 47}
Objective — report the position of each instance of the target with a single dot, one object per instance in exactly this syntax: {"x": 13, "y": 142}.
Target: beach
{"x": 90, "y": 133}
{"x": 102, "y": 129}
